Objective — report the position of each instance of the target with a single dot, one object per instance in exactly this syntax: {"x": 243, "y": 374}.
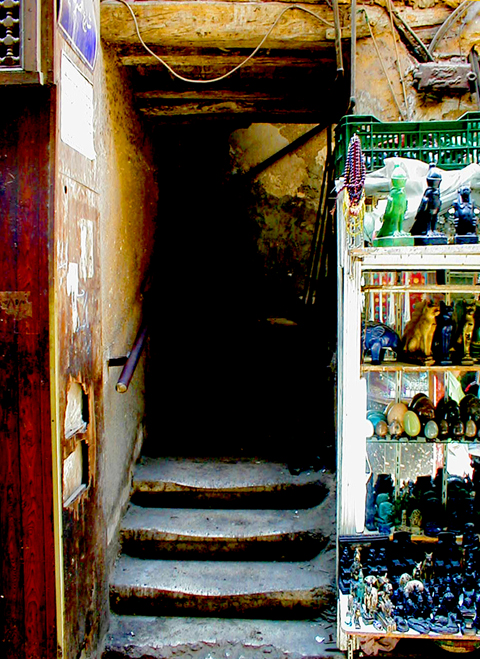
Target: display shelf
{"x": 422, "y": 440}
{"x": 371, "y": 630}
{"x": 409, "y": 342}
{"x": 464, "y": 257}
{"x": 405, "y": 367}
{"x": 429, "y": 483}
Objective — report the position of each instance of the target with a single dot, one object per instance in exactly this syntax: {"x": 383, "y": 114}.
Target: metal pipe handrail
{"x": 132, "y": 360}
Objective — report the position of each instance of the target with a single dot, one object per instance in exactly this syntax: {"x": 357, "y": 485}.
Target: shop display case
{"x": 408, "y": 512}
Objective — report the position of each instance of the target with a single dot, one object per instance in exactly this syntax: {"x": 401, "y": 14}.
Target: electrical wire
{"x": 397, "y": 56}
{"x": 400, "y": 111}
{"x": 229, "y": 73}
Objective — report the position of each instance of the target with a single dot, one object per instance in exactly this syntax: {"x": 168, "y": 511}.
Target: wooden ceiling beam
{"x": 219, "y": 24}
{"x": 242, "y": 25}
{"x": 229, "y": 108}
{"x": 223, "y": 62}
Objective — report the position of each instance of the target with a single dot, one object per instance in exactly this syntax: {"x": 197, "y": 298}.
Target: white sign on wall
{"x": 76, "y": 109}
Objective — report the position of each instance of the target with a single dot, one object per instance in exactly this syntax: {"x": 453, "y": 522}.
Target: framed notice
{"x": 76, "y": 19}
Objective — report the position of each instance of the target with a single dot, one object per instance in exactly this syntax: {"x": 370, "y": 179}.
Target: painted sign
{"x": 76, "y": 18}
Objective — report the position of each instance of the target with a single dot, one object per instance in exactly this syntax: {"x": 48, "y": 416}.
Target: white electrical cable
{"x": 229, "y": 73}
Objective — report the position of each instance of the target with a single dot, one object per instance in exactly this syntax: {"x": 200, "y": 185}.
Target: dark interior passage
{"x": 222, "y": 378}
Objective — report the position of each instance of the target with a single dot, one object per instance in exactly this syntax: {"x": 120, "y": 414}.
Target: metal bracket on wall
{"x": 452, "y": 75}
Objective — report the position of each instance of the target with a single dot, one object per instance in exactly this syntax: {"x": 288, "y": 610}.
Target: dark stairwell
{"x": 225, "y": 552}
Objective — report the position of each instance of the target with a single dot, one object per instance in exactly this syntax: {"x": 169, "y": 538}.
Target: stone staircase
{"x": 225, "y": 558}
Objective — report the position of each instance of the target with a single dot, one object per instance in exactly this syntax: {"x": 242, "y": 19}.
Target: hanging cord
{"x": 402, "y": 114}
{"x": 397, "y": 55}
{"x": 247, "y": 59}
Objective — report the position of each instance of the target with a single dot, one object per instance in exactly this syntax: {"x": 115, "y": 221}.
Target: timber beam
{"x": 242, "y": 25}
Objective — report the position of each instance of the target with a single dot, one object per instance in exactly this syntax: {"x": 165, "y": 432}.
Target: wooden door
{"x": 27, "y": 570}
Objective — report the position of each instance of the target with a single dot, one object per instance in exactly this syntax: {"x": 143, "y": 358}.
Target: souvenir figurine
{"x": 442, "y": 339}
{"x": 464, "y": 217}
{"x": 384, "y": 516}
{"x": 391, "y": 232}
{"x": 449, "y": 419}
{"x": 377, "y": 338}
{"x": 424, "y": 227}
{"x": 465, "y": 313}
{"x": 419, "y": 331}
{"x": 475, "y": 343}
{"x": 470, "y": 414}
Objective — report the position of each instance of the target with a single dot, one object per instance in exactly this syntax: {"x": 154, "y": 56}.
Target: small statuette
{"x": 419, "y": 331}
{"x": 424, "y": 227}
{"x": 464, "y": 217}
{"x": 391, "y": 232}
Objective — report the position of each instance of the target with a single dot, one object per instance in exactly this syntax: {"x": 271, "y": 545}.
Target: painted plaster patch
{"x": 75, "y": 413}
{"x": 72, "y": 290}
{"x": 250, "y": 146}
{"x": 86, "y": 246}
{"x": 285, "y": 177}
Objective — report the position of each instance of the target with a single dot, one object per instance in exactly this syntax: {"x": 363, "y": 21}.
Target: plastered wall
{"x": 105, "y": 212}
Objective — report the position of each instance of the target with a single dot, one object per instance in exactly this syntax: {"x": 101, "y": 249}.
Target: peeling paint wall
{"x": 106, "y": 199}
{"x": 128, "y": 210}
{"x": 283, "y": 203}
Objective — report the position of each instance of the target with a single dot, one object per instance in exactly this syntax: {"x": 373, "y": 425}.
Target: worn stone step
{"x": 145, "y": 637}
{"x": 223, "y": 588}
{"x": 204, "y": 533}
{"x": 243, "y": 482}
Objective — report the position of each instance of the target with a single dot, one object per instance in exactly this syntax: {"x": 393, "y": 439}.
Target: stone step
{"x": 217, "y": 482}
{"x": 209, "y": 533}
{"x": 224, "y": 588}
{"x": 144, "y": 637}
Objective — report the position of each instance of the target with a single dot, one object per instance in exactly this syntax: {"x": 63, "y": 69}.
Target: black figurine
{"x": 424, "y": 227}
{"x": 442, "y": 338}
{"x": 464, "y": 217}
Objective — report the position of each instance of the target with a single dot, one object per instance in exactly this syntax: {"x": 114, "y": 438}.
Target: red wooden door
{"x": 27, "y": 572}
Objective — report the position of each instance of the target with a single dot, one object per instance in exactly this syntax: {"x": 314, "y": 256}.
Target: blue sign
{"x": 77, "y": 21}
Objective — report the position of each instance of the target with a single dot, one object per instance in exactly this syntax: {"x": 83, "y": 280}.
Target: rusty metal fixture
{"x": 132, "y": 361}
{"x": 475, "y": 64}
{"x": 353, "y": 55}
{"x": 338, "y": 38}
{"x": 451, "y": 75}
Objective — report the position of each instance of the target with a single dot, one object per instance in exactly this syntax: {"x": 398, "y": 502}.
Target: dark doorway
{"x": 223, "y": 378}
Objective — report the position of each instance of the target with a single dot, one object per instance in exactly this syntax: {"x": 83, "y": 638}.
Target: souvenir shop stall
{"x": 408, "y": 222}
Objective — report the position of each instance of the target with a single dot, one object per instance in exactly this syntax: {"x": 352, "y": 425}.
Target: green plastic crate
{"x": 449, "y": 144}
